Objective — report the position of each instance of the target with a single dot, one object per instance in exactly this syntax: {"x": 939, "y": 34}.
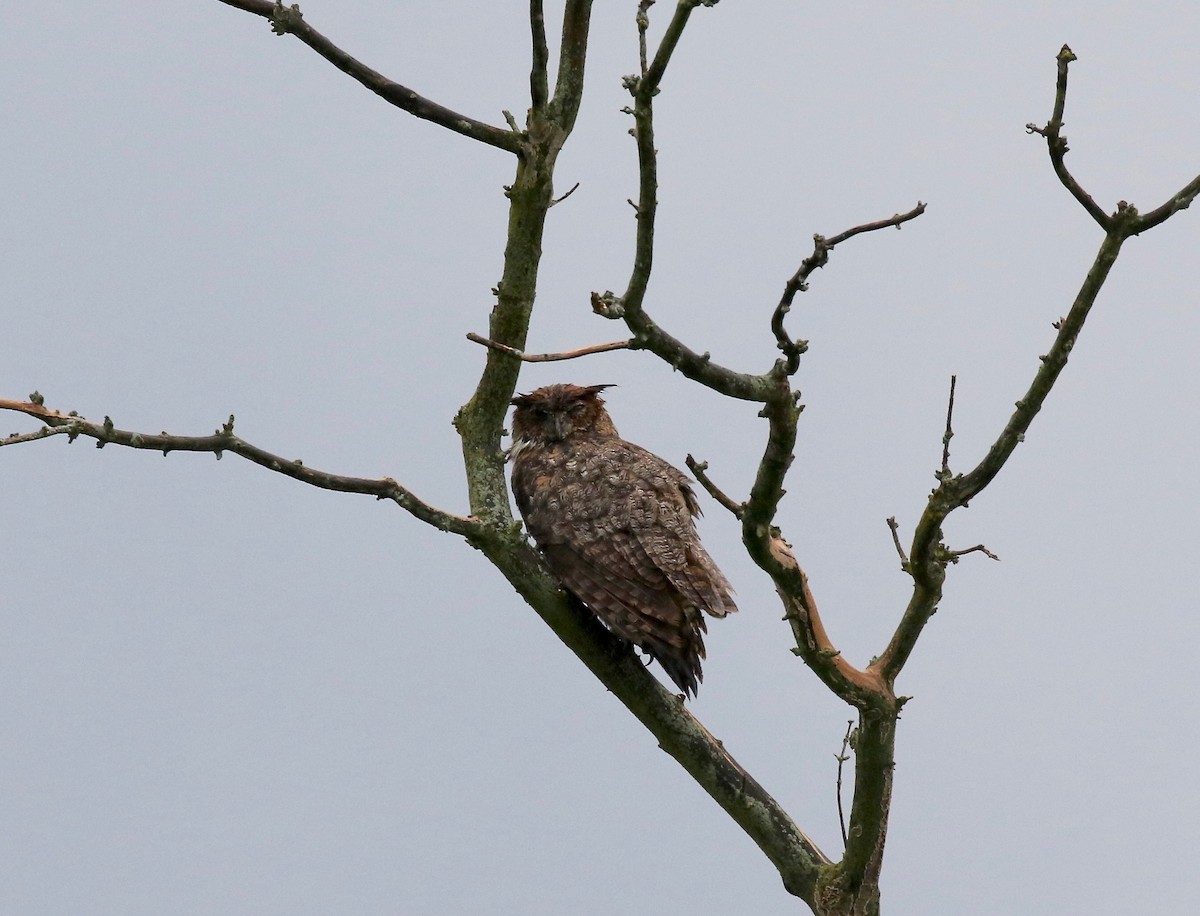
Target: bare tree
{"x": 829, "y": 884}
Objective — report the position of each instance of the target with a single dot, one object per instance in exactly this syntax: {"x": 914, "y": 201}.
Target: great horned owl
{"x": 614, "y": 523}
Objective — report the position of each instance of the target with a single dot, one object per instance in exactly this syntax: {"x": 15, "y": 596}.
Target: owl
{"x": 615, "y": 525}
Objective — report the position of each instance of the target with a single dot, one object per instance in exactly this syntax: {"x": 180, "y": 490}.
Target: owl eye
{"x": 541, "y": 413}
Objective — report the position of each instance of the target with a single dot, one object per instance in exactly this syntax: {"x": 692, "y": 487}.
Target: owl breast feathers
{"x": 615, "y": 524}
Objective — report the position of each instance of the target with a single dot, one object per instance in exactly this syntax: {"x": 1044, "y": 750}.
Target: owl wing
{"x": 645, "y": 616}
{"x": 662, "y": 507}
{"x": 617, "y": 532}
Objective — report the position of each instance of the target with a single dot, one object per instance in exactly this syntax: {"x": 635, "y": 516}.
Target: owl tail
{"x": 684, "y": 672}
{"x": 681, "y": 661}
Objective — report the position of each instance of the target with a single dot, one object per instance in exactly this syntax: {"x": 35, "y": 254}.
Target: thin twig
{"x": 643, "y": 23}
{"x": 842, "y": 757}
{"x": 891, "y": 523}
{"x": 698, "y": 469}
{"x": 550, "y": 357}
{"x": 949, "y": 433}
{"x": 42, "y": 433}
{"x": 896, "y": 219}
{"x": 559, "y": 200}
{"x": 953, "y": 555}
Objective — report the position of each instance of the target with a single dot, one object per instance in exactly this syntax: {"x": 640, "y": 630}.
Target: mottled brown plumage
{"x": 614, "y": 523}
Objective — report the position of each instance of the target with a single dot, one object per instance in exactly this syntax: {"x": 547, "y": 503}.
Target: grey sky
{"x": 224, "y": 692}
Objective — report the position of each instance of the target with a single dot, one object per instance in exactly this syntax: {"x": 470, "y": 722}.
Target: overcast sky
{"x": 224, "y": 692}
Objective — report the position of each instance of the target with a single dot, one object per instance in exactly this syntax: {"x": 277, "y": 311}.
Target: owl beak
{"x": 560, "y": 425}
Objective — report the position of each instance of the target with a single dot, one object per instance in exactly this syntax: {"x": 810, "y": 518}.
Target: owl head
{"x": 558, "y": 412}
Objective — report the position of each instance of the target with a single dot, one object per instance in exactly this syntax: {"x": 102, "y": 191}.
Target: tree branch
{"x": 539, "y": 80}
{"x": 611, "y": 659}
{"x": 223, "y": 440}
{"x": 894, "y": 527}
{"x": 855, "y": 879}
{"x": 287, "y": 20}
{"x": 571, "y": 190}
{"x": 670, "y": 39}
{"x": 629, "y": 307}
{"x": 1179, "y": 201}
{"x": 949, "y": 433}
{"x": 793, "y": 349}
{"x": 480, "y": 421}
{"x": 796, "y": 857}
{"x": 929, "y": 555}
{"x": 550, "y": 357}
{"x": 842, "y": 757}
{"x": 572, "y": 60}
{"x": 953, "y": 555}
{"x": 699, "y": 470}
{"x": 1057, "y": 144}
{"x": 859, "y": 688}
